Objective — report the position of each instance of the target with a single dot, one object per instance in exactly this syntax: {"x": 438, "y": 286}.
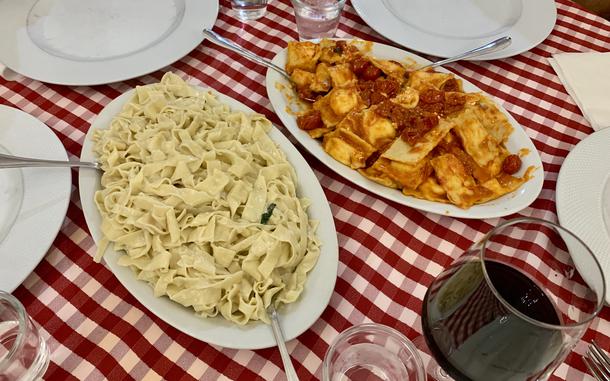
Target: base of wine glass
{"x": 433, "y": 369}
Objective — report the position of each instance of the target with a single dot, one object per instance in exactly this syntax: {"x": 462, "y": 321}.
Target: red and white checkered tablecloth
{"x": 389, "y": 253}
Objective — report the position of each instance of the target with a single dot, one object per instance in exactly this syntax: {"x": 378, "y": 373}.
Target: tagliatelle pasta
{"x": 203, "y": 203}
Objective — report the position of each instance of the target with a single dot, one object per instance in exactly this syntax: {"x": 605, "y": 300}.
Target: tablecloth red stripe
{"x": 389, "y": 253}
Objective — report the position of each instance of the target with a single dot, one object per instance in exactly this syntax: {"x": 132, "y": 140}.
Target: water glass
{"x": 24, "y": 355}
{"x": 249, "y": 9}
{"x": 317, "y": 18}
{"x": 372, "y": 352}
{"x": 513, "y": 305}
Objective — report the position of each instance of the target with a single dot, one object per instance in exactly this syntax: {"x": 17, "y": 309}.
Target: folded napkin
{"x": 586, "y": 76}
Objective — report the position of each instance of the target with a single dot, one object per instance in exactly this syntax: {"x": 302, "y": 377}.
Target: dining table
{"x": 388, "y": 253}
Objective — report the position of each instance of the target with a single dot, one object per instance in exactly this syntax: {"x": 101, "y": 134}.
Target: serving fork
{"x": 226, "y": 43}
{"x": 489, "y": 47}
{"x": 8, "y": 161}
{"x": 598, "y": 362}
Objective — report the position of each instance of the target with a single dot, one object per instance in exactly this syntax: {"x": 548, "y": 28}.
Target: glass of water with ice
{"x": 317, "y": 18}
{"x": 370, "y": 352}
{"x": 24, "y": 355}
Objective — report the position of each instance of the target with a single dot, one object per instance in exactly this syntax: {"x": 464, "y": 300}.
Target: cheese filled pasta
{"x": 203, "y": 203}
{"x": 417, "y": 131}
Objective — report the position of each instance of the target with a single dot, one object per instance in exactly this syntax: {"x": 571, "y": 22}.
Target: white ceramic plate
{"x": 33, "y": 201}
{"x": 296, "y": 317}
{"x": 508, "y": 204}
{"x": 91, "y": 42}
{"x": 583, "y": 199}
{"x": 445, "y": 28}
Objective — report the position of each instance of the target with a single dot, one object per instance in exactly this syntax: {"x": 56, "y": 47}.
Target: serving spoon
{"x": 291, "y": 374}
{"x": 8, "y": 161}
{"x": 489, "y": 47}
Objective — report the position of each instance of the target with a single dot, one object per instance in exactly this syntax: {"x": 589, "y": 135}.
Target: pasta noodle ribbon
{"x": 186, "y": 182}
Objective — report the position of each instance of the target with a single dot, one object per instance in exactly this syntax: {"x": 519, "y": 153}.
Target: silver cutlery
{"x": 291, "y": 374}
{"x": 489, "y": 47}
{"x": 221, "y": 41}
{"x": 598, "y": 362}
{"x": 8, "y": 161}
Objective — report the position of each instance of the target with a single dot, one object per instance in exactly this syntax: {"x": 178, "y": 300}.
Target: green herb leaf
{"x": 267, "y": 215}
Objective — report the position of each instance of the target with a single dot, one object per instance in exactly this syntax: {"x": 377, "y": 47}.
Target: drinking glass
{"x": 249, "y": 9}
{"x": 513, "y": 306}
{"x": 317, "y": 18}
{"x": 372, "y": 352}
{"x": 24, "y": 355}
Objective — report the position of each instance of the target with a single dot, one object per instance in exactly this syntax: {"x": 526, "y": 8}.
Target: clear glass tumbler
{"x": 317, "y": 18}
{"x": 512, "y": 307}
{"x": 372, "y": 352}
{"x": 249, "y": 9}
{"x": 24, "y": 355}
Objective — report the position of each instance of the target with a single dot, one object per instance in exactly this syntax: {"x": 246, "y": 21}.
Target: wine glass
{"x": 512, "y": 307}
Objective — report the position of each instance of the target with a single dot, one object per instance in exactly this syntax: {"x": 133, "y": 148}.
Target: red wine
{"x": 474, "y": 336}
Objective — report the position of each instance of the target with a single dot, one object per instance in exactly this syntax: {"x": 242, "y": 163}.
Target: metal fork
{"x": 8, "y": 161}
{"x": 598, "y": 362}
{"x": 221, "y": 41}
{"x": 489, "y": 47}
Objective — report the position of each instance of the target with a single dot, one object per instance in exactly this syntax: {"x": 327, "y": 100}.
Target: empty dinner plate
{"x": 89, "y": 42}
{"x": 583, "y": 198}
{"x": 445, "y": 28}
{"x": 33, "y": 201}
